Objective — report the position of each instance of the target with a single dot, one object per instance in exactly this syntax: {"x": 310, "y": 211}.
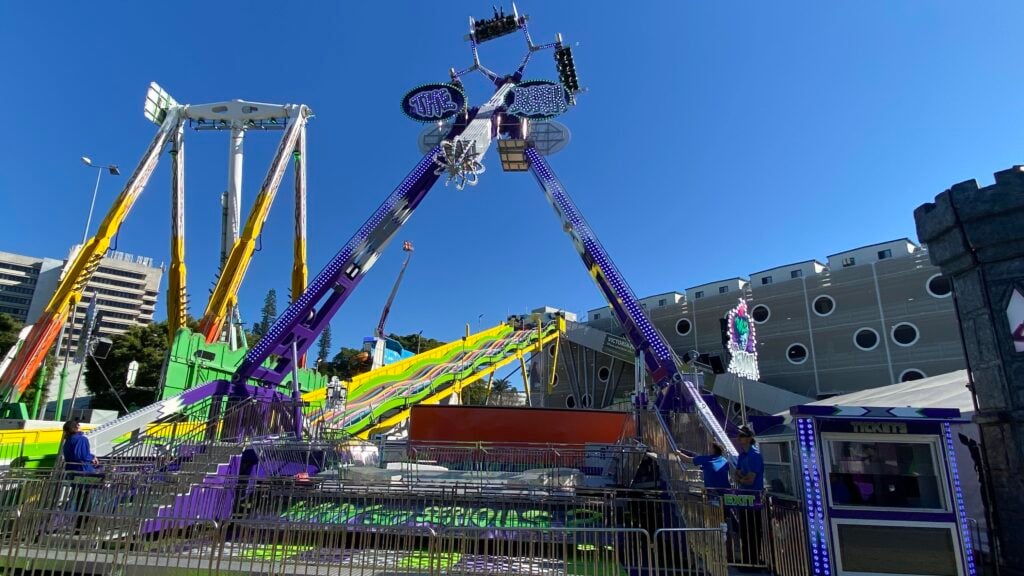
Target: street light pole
{"x": 95, "y": 189}
{"x": 92, "y": 206}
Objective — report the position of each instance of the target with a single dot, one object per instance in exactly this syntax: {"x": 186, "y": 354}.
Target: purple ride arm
{"x": 303, "y": 321}
{"x": 624, "y": 304}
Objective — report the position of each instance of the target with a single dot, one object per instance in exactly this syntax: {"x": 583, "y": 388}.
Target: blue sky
{"x": 713, "y": 141}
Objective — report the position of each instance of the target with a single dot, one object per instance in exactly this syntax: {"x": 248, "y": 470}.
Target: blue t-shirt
{"x": 751, "y": 461}
{"x": 716, "y": 471}
{"x": 77, "y": 455}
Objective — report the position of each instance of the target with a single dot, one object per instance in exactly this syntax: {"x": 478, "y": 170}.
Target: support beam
{"x": 177, "y": 298}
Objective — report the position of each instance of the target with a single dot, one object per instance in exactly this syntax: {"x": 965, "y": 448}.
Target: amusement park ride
{"x": 507, "y": 117}
{"x": 238, "y": 117}
{"x": 517, "y": 117}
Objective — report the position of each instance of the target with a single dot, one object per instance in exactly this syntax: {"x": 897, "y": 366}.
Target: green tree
{"x": 414, "y": 342}
{"x": 346, "y": 364}
{"x": 267, "y": 314}
{"x": 9, "y": 328}
{"x": 324, "y": 345}
{"x": 145, "y": 344}
{"x": 501, "y": 394}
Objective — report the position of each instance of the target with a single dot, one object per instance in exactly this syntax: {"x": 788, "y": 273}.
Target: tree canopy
{"x": 502, "y": 393}
{"x": 268, "y": 314}
{"x": 9, "y": 328}
{"x": 145, "y": 344}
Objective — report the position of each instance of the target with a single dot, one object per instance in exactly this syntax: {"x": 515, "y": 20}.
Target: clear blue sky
{"x": 714, "y": 140}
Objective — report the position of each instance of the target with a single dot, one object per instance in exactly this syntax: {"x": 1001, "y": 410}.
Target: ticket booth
{"x": 882, "y": 491}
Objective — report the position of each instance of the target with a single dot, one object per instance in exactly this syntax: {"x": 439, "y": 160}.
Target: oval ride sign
{"x": 434, "y": 102}
{"x": 537, "y": 99}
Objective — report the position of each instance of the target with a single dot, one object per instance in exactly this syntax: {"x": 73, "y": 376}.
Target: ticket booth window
{"x": 886, "y": 474}
{"x": 903, "y": 549}
{"x": 778, "y": 467}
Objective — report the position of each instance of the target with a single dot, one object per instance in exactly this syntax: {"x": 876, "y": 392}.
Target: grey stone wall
{"x": 976, "y": 236}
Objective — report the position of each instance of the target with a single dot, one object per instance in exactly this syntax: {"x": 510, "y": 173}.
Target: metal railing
{"x": 788, "y": 529}
{"x": 186, "y": 436}
{"x": 92, "y": 525}
{"x": 745, "y": 514}
{"x": 12, "y": 455}
{"x": 552, "y": 464}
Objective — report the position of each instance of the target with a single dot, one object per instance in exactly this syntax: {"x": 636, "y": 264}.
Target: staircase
{"x": 211, "y": 499}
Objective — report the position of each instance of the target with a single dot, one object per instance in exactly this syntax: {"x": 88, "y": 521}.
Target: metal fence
{"x": 561, "y": 464}
{"x": 763, "y": 531}
{"x": 91, "y": 525}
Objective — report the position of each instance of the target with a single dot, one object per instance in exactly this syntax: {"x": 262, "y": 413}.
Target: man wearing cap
{"x": 749, "y": 475}
{"x": 750, "y": 465}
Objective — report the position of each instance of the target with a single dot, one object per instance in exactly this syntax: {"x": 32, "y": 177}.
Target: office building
{"x": 125, "y": 288}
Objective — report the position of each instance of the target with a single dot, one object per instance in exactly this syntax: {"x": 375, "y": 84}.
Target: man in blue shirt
{"x": 78, "y": 456}
{"x": 750, "y": 465}
{"x": 714, "y": 466}
{"x": 749, "y": 475}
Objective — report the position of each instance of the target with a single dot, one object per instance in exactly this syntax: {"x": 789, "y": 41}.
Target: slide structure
{"x": 377, "y": 400}
{"x": 381, "y": 399}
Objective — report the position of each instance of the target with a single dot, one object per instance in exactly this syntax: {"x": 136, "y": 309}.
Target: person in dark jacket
{"x": 78, "y": 456}
{"x": 80, "y": 463}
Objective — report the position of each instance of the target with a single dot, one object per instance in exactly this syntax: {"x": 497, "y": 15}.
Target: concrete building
{"x": 124, "y": 285}
{"x": 872, "y": 316}
{"x": 21, "y": 279}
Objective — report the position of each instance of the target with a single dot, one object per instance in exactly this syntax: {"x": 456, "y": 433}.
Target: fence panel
{"x": 691, "y": 551}
{"x": 788, "y": 537}
{"x": 569, "y": 551}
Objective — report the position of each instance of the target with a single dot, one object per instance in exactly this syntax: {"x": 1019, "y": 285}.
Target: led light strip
{"x": 961, "y": 512}
{"x": 623, "y": 294}
{"x": 816, "y": 531}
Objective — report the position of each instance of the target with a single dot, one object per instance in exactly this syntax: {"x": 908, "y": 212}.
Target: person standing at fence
{"x": 80, "y": 463}
{"x": 714, "y": 466}
{"x": 78, "y": 456}
{"x": 749, "y": 475}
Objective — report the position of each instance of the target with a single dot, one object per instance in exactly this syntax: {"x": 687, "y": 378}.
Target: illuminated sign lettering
{"x": 537, "y": 99}
{"x": 740, "y": 500}
{"x": 879, "y": 427}
{"x": 742, "y": 343}
{"x": 434, "y": 102}
{"x": 441, "y": 516}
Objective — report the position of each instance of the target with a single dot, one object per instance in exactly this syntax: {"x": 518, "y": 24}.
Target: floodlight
{"x": 158, "y": 101}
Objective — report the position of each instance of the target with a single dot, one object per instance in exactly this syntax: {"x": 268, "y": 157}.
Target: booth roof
{"x": 943, "y": 391}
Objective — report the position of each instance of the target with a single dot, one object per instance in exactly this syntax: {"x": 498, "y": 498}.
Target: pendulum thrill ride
{"x": 466, "y": 134}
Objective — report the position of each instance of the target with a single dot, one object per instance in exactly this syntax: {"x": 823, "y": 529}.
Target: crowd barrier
{"x": 89, "y": 525}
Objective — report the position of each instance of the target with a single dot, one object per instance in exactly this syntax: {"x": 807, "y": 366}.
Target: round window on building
{"x": 905, "y": 334}
{"x": 586, "y": 401}
{"x": 865, "y": 339}
{"x": 761, "y": 313}
{"x": 683, "y": 327}
{"x": 603, "y": 373}
{"x": 796, "y": 353}
{"x": 939, "y": 286}
{"x": 570, "y": 401}
{"x": 823, "y": 305}
{"x": 911, "y": 375}
{"x": 551, "y": 350}
{"x": 554, "y": 381}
